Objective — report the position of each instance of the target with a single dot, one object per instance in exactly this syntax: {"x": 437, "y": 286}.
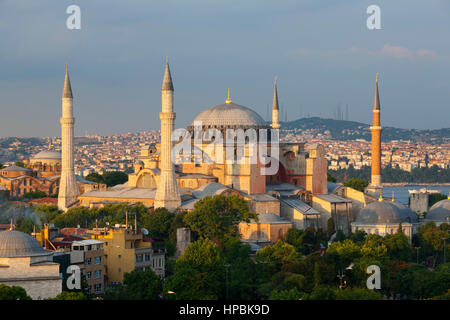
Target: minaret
{"x": 68, "y": 188}
{"x": 376, "y": 143}
{"x": 167, "y": 193}
{"x": 275, "y": 109}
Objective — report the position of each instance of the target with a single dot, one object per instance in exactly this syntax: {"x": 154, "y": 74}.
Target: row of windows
{"x": 97, "y": 288}
{"x": 97, "y": 260}
{"x": 156, "y": 263}
{"x": 142, "y": 257}
{"x": 97, "y": 274}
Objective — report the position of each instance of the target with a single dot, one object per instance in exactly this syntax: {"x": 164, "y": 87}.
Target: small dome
{"x": 381, "y": 212}
{"x": 18, "y": 244}
{"x": 230, "y": 114}
{"x": 440, "y": 211}
{"x": 48, "y": 154}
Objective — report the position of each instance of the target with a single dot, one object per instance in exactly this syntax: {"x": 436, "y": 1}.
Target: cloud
{"x": 398, "y": 52}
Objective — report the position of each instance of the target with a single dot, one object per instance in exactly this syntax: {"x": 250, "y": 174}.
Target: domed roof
{"x": 230, "y": 114}
{"x": 15, "y": 168}
{"x": 440, "y": 211}
{"x": 19, "y": 244}
{"x": 47, "y": 154}
{"x": 380, "y": 212}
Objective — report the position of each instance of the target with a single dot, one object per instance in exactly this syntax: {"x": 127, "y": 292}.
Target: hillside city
{"x": 117, "y": 152}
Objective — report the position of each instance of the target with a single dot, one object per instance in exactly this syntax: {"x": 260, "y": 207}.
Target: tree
{"x": 20, "y": 164}
{"x": 432, "y": 238}
{"x": 435, "y": 197}
{"x": 373, "y": 247}
{"x": 343, "y": 252}
{"x": 68, "y": 295}
{"x": 292, "y": 294}
{"x": 217, "y": 217}
{"x": 113, "y": 178}
{"x": 330, "y": 178}
{"x": 398, "y": 246}
{"x": 198, "y": 273}
{"x": 95, "y": 177}
{"x": 323, "y": 293}
{"x": 242, "y": 275}
{"x": 357, "y": 184}
{"x": 159, "y": 222}
{"x": 142, "y": 285}
{"x": 34, "y": 194}
{"x": 278, "y": 254}
{"x": 13, "y": 293}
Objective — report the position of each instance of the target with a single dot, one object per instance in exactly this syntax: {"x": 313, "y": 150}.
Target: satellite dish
{"x": 144, "y": 231}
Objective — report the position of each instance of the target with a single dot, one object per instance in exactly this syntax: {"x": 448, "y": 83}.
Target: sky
{"x": 321, "y": 51}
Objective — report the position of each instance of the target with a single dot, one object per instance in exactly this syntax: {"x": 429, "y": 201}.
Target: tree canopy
{"x": 217, "y": 218}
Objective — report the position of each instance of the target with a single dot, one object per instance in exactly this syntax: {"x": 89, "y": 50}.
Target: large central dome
{"x": 229, "y": 115}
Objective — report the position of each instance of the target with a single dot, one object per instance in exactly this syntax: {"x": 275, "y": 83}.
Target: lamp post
{"x": 341, "y": 276}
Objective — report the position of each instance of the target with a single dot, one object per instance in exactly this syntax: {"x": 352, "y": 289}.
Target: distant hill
{"x": 352, "y": 130}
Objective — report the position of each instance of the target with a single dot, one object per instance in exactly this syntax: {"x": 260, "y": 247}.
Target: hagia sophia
{"x": 296, "y": 195}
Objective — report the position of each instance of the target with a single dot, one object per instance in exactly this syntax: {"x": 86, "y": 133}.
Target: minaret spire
{"x": 167, "y": 194}
{"x": 67, "y": 91}
{"x": 376, "y": 99}
{"x": 375, "y": 184}
{"x": 167, "y": 80}
{"x": 275, "y": 108}
{"x": 68, "y": 187}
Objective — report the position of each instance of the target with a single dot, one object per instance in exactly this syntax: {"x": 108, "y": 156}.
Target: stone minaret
{"x": 167, "y": 193}
{"x": 68, "y": 188}
{"x": 275, "y": 109}
{"x": 376, "y": 141}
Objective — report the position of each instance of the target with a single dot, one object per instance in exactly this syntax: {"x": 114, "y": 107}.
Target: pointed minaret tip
{"x": 275, "y": 96}
{"x": 167, "y": 80}
{"x": 376, "y": 99}
{"x": 228, "y": 101}
{"x": 67, "y": 91}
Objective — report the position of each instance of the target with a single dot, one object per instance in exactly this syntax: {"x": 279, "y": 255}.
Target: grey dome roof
{"x": 380, "y": 212}
{"x": 18, "y": 244}
{"x": 47, "y": 154}
{"x": 15, "y": 168}
{"x": 230, "y": 114}
{"x": 440, "y": 211}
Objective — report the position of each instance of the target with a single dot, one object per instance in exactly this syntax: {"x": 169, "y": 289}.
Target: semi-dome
{"x": 384, "y": 212}
{"x": 230, "y": 114}
{"x": 440, "y": 211}
{"x": 18, "y": 244}
{"x": 47, "y": 154}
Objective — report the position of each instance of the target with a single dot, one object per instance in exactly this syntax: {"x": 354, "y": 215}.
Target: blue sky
{"x": 321, "y": 51}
